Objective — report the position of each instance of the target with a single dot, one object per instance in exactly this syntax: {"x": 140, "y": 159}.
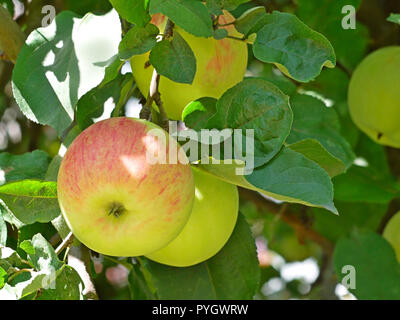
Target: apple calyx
{"x": 116, "y": 209}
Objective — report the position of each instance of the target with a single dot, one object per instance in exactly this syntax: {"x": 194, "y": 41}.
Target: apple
{"x": 392, "y": 233}
{"x": 221, "y": 64}
{"x": 114, "y": 200}
{"x": 210, "y": 225}
{"x": 374, "y": 96}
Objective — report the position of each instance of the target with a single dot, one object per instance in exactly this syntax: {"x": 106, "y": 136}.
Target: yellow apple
{"x": 221, "y": 64}
{"x": 115, "y": 201}
{"x": 392, "y": 233}
{"x": 374, "y": 96}
{"x": 210, "y": 225}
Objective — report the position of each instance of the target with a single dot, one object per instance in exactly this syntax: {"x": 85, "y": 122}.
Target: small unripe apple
{"x": 220, "y": 64}
{"x": 210, "y": 225}
{"x": 392, "y": 233}
{"x": 374, "y": 96}
{"x": 114, "y": 200}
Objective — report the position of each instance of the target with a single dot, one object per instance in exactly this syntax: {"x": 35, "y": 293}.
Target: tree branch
{"x": 11, "y": 36}
{"x": 66, "y": 242}
{"x": 154, "y": 94}
{"x": 301, "y": 229}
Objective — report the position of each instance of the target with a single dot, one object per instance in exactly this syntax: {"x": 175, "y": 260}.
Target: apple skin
{"x": 392, "y": 233}
{"x": 221, "y": 64}
{"x": 105, "y": 167}
{"x": 374, "y": 96}
{"x": 210, "y": 225}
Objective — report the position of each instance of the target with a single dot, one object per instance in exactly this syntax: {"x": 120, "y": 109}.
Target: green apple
{"x": 374, "y": 96}
{"x": 392, "y": 233}
{"x": 115, "y": 201}
{"x": 220, "y": 64}
{"x": 210, "y": 225}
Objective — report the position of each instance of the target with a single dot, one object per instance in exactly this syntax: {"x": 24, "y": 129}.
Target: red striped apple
{"x": 114, "y": 200}
{"x": 210, "y": 225}
{"x": 221, "y": 64}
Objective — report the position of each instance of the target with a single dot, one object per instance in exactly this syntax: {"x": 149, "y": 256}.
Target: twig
{"x": 237, "y": 38}
{"x": 16, "y": 273}
{"x": 11, "y": 36}
{"x": 343, "y": 68}
{"x": 79, "y": 259}
{"x": 66, "y": 243}
{"x": 154, "y": 94}
{"x": 288, "y": 217}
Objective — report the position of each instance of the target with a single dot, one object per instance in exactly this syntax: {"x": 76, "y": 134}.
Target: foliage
{"x": 320, "y": 191}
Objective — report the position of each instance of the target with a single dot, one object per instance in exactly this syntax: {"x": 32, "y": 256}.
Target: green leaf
{"x": 3, "y": 231}
{"x": 63, "y": 60}
{"x": 360, "y": 184}
{"x": 27, "y": 246}
{"x": 44, "y": 257}
{"x": 394, "y": 17}
{"x": 68, "y": 286}
{"x": 8, "y": 216}
{"x": 138, "y": 40}
{"x": 251, "y": 21}
{"x": 313, "y": 120}
{"x": 191, "y": 16}
{"x": 231, "y": 274}
{"x": 313, "y": 150}
{"x": 134, "y": 11}
{"x": 270, "y": 73}
{"x": 26, "y": 283}
{"x": 370, "y": 180}
{"x": 31, "y": 165}
{"x": 225, "y": 4}
{"x": 82, "y": 7}
{"x": 174, "y": 59}
{"x": 295, "y": 49}
{"x": 27, "y": 232}
{"x": 197, "y": 113}
{"x": 10, "y": 258}
{"x": 289, "y": 177}
{"x": 91, "y": 105}
{"x": 256, "y": 104}
{"x": 31, "y": 200}
{"x": 353, "y": 215}
{"x": 350, "y": 45}
{"x": 113, "y": 68}
{"x": 52, "y": 170}
{"x": 331, "y": 84}
{"x": 138, "y": 287}
{"x": 377, "y": 271}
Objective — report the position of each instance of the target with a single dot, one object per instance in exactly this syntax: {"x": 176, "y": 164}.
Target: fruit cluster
{"x": 119, "y": 204}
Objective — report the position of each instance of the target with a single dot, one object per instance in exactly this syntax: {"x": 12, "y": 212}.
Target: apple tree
{"x": 284, "y": 114}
